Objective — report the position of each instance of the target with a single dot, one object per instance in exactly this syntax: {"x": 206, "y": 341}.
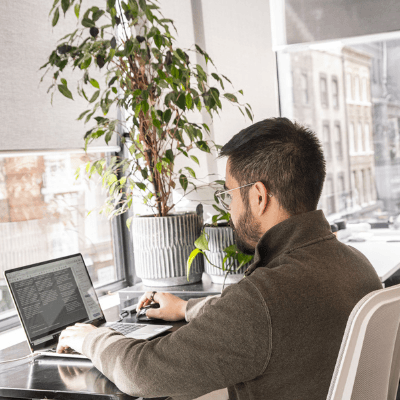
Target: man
{"x": 276, "y": 334}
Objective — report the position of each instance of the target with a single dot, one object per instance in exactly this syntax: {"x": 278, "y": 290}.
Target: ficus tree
{"x": 157, "y": 86}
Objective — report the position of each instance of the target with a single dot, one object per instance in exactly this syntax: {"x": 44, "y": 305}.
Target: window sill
{"x": 16, "y": 335}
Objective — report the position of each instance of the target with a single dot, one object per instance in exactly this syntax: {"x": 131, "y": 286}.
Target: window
{"x": 367, "y": 138}
{"x": 360, "y": 138}
{"x": 338, "y": 141}
{"x": 324, "y": 91}
{"x": 364, "y": 89}
{"x": 335, "y": 92}
{"x": 327, "y": 141}
{"x": 342, "y": 192}
{"x": 364, "y": 189}
{"x": 330, "y": 196}
{"x": 349, "y": 88}
{"x": 44, "y": 215}
{"x": 357, "y": 88}
{"x": 304, "y": 88}
{"x": 352, "y": 138}
{"x": 354, "y": 188}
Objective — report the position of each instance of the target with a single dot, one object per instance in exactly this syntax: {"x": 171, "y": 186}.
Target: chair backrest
{"x": 368, "y": 364}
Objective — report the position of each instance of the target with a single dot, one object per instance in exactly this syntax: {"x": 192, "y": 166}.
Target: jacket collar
{"x": 288, "y": 235}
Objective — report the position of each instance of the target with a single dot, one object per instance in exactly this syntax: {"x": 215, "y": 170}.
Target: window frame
{"x": 324, "y": 96}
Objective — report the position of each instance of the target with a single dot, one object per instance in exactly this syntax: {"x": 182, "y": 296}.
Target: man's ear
{"x": 259, "y": 197}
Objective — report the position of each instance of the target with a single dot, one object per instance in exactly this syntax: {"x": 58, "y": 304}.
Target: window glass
{"x": 304, "y": 88}
{"x": 44, "y": 215}
{"x": 361, "y": 138}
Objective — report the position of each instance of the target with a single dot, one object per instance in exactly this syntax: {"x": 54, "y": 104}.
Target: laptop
{"x": 51, "y": 295}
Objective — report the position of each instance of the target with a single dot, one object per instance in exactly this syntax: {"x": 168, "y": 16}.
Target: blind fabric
{"x": 28, "y": 120}
{"x": 315, "y": 20}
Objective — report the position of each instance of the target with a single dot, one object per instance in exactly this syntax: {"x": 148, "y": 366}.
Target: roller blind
{"x": 27, "y": 119}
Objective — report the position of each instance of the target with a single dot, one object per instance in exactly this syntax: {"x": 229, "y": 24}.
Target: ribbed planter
{"x": 219, "y": 238}
{"x": 162, "y": 246}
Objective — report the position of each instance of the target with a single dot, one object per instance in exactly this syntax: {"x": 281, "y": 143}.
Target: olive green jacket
{"x": 274, "y": 335}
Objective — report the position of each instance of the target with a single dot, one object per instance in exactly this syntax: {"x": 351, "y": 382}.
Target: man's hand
{"x": 172, "y": 308}
{"x": 73, "y": 337}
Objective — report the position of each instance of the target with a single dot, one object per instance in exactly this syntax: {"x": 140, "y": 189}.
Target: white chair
{"x": 368, "y": 365}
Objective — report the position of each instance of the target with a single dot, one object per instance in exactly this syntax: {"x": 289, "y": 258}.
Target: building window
{"x": 326, "y": 133}
{"x": 304, "y": 88}
{"x": 338, "y": 141}
{"x": 330, "y": 196}
{"x": 363, "y": 188}
{"x": 367, "y": 138}
{"x": 342, "y": 192}
{"x": 324, "y": 91}
{"x": 360, "y": 138}
{"x": 357, "y": 88}
{"x": 44, "y": 214}
{"x": 349, "y": 88}
{"x": 364, "y": 90}
{"x": 352, "y": 138}
{"x": 335, "y": 92}
{"x": 354, "y": 187}
{"x": 371, "y": 184}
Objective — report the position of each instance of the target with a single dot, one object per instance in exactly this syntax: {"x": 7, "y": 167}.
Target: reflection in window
{"x": 360, "y": 138}
{"x": 352, "y": 138}
{"x": 335, "y": 92}
{"x": 330, "y": 197}
{"x": 304, "y": 88}
{"x": 324, "y": 91}
{"x": 327, "y": 141}
{"x": 338, "y": 141}
{"x": 357, "y": 88}
{"x": 367, "y": 139}
{"x": 44, "y": 215}
{"x": 349, "y": 88}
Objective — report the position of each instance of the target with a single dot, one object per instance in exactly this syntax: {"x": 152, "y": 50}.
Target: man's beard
{"x": 247, "y": 231}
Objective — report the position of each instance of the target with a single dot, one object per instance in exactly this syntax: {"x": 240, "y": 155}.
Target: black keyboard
{"x": 125, "y": 329}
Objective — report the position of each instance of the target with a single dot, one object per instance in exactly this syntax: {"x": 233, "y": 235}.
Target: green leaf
{"x": 202, "y": 241}
{"x": 231, "y": 97}
{"x": 203, "y": 146}
{"x": 141, "y": 185}
{"x": 111, "y": 179}
{"x": 195, "y": 159}
{"x": 159, "y": 167}
{"x": 167, "y": 115}
{"x": 170, "y": 155}
{"x": 191, "y": 172}
{"x": 249, "y": 114}
{"x": 77, "y": 9}
{"x": 63, "y": 81}
{"x": 142, "y": 4}
{"x": 65, "y": 91}
{"x": 128, "y": 47}
{"x": 129, "y": 222}
{"x": 65, "y": 5}
{"x": 183, "y": 181}
{"x": 82, "y": 115}
{"x": 88, "y": 23}
{"x": 56, "y": 16}
{"x": 86, "y": 62}
{"x": 94, "y": 83}
{"x": 192, "y": 256}
{"x": 181, "y": 101}
{"x": 189, "y": 101}
{"x": 95, "y": 96}
{"x": 158, "y": 41}
{"x": 112, "y": 81}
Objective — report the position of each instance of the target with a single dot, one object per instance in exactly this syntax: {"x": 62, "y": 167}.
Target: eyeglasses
{"x": 225, "y": 197}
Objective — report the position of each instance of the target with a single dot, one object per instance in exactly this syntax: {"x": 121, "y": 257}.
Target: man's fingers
{"x": 154, "y": 313}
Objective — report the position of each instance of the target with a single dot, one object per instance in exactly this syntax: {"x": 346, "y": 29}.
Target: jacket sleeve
{"x": 196, "y": 307}
{"x": 226, "y": 344}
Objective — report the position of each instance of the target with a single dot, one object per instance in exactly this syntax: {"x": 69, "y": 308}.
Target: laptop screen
{"x": 53, "y": 295}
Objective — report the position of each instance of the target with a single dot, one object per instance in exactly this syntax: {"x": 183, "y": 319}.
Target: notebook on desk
{"x": 52, "y": 295}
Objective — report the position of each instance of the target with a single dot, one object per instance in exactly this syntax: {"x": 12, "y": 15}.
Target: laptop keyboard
{"x": 125, "y": 329}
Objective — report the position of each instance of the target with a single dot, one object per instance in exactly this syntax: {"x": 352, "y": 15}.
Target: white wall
{"x": 237, "y": 36}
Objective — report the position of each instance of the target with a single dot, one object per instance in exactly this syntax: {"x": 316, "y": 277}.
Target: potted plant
{"x": 223, "y": 261}
{"x": 159, "y": 90}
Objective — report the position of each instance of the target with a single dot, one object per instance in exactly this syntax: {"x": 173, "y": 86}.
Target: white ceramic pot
{"x": 219, "y": 238}
{"x": 162, "y": 246}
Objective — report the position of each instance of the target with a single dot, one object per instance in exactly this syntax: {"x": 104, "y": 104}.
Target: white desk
{"x": 384, "y": 256}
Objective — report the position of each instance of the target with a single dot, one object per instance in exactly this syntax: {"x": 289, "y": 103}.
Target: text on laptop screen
{"x": 53, "y": 295}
